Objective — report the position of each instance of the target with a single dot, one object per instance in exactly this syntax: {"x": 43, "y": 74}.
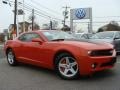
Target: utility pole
{"x": 32, "y": 19}
{"x": 65, "y": 13}
{"x": 50, "y": 24}
{"x": 15, "y": 32}
{"x": 15, "y": 13}
{"x": 23, "y": 17}
{"x": 17, "y": 22}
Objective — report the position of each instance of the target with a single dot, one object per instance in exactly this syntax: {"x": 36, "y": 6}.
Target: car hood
{"x": 102, "y": 40}
{"x": 88, "y": 44}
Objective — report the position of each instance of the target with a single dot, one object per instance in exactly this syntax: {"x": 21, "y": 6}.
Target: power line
{"x": 108, "y": 17}
{"x": 96, "y": 22}
{"x": 43, "y": 12}
{"x": 38, "y": 11}
{"x": 39, "y": 4}
{"x": 47, "y": 14}
{"x": 28, "y": 9}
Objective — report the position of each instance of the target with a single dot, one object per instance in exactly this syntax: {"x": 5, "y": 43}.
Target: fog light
{"x": 94, "y": 65}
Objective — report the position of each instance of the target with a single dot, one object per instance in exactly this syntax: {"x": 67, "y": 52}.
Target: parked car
{"x": 112, "y": 37}
{"x": 57, "y": 50}
{"x": 83, "y": 35}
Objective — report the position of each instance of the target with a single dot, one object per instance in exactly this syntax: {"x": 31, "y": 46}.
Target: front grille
{"x": 108, "y": 52}
{"x": 110, "y": 63}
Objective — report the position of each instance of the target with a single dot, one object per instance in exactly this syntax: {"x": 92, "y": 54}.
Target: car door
{"x": 117, "y": 41}
{"x": 20, "y": 50}
{"x": 34, "y": 52}
{"x": 30, "y": 51}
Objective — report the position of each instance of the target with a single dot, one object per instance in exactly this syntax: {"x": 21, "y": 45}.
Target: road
{"x": 26, "y": 77}
{"x": 2, "y": 55}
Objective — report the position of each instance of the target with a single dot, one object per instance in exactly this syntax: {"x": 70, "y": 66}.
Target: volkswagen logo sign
{"x": 80, "y": 13}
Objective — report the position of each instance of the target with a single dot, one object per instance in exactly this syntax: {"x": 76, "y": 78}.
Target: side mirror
{"x": 37, "y": 40}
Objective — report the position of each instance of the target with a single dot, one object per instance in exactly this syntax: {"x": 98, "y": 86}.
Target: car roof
{"x": 82, "y": 33}
{"x": 78, "y": 33}
{"x": 108, "y": 31}
{"x": 45, "y": 30}
{"x": 38, "y": 31}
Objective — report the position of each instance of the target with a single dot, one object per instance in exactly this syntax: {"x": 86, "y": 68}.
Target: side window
{"x": 22, "y": 37}
{"x": 34, "y": 35}
{"x": 28, "y": 37}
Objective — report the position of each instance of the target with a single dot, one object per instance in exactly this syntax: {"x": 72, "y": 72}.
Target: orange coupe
{"x": 59, "y": 51}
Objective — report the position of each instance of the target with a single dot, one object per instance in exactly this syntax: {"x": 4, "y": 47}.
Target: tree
{"x": 45, "y": 26}
{"x": 35, "y": 25}
{"x": 112, "y": 26}
{"x": 114, "y": 23}
{"x": 65, "y": 28}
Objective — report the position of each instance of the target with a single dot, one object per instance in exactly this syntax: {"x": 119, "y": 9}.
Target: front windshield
{"x": 103, "y": 35}
{"x": 54, "y": 35}
{"x": 77, "y": 35}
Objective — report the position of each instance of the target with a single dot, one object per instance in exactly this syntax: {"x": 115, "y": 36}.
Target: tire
{"x": 66, "y": 66}
{"x": 11, "y": 58}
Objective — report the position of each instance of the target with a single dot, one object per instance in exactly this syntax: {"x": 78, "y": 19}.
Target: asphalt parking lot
{"x": 26, "y": 77}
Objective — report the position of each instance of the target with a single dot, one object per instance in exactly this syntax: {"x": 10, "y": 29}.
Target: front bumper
{"x": 89, "y": 65}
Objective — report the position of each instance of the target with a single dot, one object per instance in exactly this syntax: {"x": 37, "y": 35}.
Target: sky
{"x": 103, "y": 11}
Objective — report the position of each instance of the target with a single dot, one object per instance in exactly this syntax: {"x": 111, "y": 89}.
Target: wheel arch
{"x": 8, "y": 48}
{"x": 60, "y": 52}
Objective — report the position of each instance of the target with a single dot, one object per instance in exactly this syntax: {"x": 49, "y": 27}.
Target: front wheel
{"x": 67, "y": 66}
{"x": 11, "y": 58}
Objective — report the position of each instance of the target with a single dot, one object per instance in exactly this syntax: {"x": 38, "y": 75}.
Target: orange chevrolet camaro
{"x": 59, "y": 51}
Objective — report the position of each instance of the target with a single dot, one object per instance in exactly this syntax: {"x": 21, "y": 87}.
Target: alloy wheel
{"x": 68, "y": 66}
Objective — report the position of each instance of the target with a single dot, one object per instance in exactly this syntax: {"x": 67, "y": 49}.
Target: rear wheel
{"x": 67, "y": 66}
{"x": 11, "y": 58}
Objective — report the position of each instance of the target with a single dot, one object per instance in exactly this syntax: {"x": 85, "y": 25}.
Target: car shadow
{"x": 99, "y": 75}
{"x": 51, "y": 73}
{"x": 38, "y": 69}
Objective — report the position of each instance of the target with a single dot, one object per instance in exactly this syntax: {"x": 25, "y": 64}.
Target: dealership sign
{"x": 79, "y": 14}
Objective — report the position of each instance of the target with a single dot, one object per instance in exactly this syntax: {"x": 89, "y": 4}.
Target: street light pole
{"x": 65, "y": 13}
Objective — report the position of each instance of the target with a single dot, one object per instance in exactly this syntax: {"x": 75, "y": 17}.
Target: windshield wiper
{"x": 58, "y": 40}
